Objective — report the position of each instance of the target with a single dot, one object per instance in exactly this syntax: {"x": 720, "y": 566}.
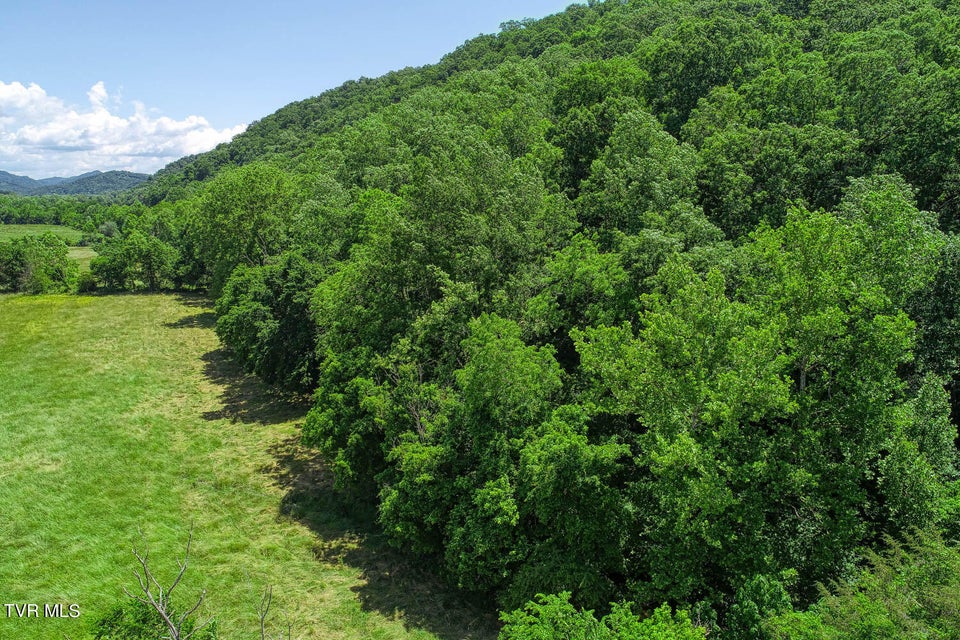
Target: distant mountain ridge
{"x": 90, "y": 183}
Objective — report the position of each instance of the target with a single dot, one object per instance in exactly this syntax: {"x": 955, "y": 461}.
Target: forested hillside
{"x": 649, "y": 301}
{"x": 92, "y": 183}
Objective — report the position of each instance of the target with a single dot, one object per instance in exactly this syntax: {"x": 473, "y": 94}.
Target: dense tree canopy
{"x": 36, "y": 264}
{"x": 649, "y": 302}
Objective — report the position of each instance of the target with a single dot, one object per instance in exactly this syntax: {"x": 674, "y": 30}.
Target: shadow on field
{"x": 205, "y": 318}
{"x": 245, "y": 398}
{"x": 202, "y": 320}
{"x": 195, "y": 300}
{"x": 345, "y": 527}
{"x": 395, "y": 584}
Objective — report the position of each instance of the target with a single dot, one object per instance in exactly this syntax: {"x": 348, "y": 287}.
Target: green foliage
{"x": 548, "y": 618}
{"x": 581, "y": 133}
{"x": 798, "y": 91}
{"x": 86, "y": 282}
{"x": 132, "y": 619}
{"x": 135, "y": 261}
{"x": 552, "y": 617}
{"x": 254, "y": 202}
{"x": 36, "y": 264}
{"x": 505, "y": 387}
{"x": 910, "y": 590}
{"x": 759, "y": 598}
{"x": 749, "y": 176}
{"x": 263, "y": 316}
{"x": 687, "y": 59}
{"x": 698, "y": 380}
{"x": 572, "y": 499}
{"x": 583, "y": 286}
{"x": 642, "y": 173}
{"x": 900, "y": 244}
{"x": 935, "y": 310}
{"x": 644, "y": 300}
{"x": 17, "y": 209}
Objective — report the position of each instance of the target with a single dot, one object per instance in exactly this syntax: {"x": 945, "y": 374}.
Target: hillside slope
{"x": 91, "y": 183}
{"x": 648, "y": 301}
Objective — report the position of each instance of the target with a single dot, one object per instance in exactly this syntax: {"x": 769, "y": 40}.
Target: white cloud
{"x": 42, "y": 136}
{"x": 98, "y": 96}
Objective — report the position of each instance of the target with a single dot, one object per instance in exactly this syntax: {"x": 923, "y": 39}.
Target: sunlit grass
{"x": 121, "y": 414}
{"x": 13, "y": 231}
{"x": 83, "y": 256}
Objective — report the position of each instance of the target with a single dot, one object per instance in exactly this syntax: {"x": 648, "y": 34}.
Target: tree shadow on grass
{"x": 201, "y": 320}
{"x": 345, "y": 527}
{"x": 204, "y": 318}
{"x": 245, "y": 398}
{"x": 395, "y": 585}
{"x": 195, "y": 300}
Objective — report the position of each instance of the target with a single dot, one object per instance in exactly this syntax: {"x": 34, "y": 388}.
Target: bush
{"x": 553, "y": 617}
{"x": 911, "y": 591}
{"x": 132, "y": 619}
{"x": 36, "y": 264}
{"x": 86, "y": 282}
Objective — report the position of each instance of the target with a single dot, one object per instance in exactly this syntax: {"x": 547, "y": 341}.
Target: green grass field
{"x": 121, "y": 413}
{"x": 12, "y": 231}
{"x": 82, "y": 255}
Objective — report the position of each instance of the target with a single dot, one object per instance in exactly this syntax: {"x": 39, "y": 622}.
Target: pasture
{"x": 12, "y": 231}
{"x": 82, "y": 255}
{"x": 124, "y": 423}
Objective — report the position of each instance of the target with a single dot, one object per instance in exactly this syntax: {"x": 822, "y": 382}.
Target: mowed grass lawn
{"x": 121, "y": 414}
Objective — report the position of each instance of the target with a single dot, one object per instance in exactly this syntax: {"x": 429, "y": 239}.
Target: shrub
{"x": 553, "y": 617}
{"x": 131, "y": 619}
{"x": 86, "y": 282}
{"x": 36, "y": 264}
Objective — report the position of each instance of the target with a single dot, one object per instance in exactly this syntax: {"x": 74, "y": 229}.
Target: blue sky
{"x": 134, "y": 85}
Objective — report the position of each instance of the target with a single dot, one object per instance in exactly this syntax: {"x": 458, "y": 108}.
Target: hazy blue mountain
{"x": 96, "y": 182}
{"x": 90, "y": 183}
{"x": 16, "y": 184}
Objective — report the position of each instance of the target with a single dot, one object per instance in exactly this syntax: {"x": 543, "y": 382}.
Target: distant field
{"x": 12, "y": 231}
{"x": 83, "y": 255}
{"x": 120, "y": 413}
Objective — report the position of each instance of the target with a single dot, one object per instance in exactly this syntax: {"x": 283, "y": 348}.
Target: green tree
{"x": 907, "y": 591}
{"x": 36, "y": 264}
{"x": 693, "y": 55}
{"x": 264, "y": 318}
{"x": 243, "y": 219}
{"x": 642, "y": 173}
{"x": 552, "y": 617}
{"x": 747, "y": 176}
{"x": 135, "y": 261}
{"x": 749, "y": 407}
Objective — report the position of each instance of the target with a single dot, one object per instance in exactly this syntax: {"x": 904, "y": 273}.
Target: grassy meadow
{"x": 82, "y": 255}
{"x": 12, "y": 231}
{"x": 123, "y": 423}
